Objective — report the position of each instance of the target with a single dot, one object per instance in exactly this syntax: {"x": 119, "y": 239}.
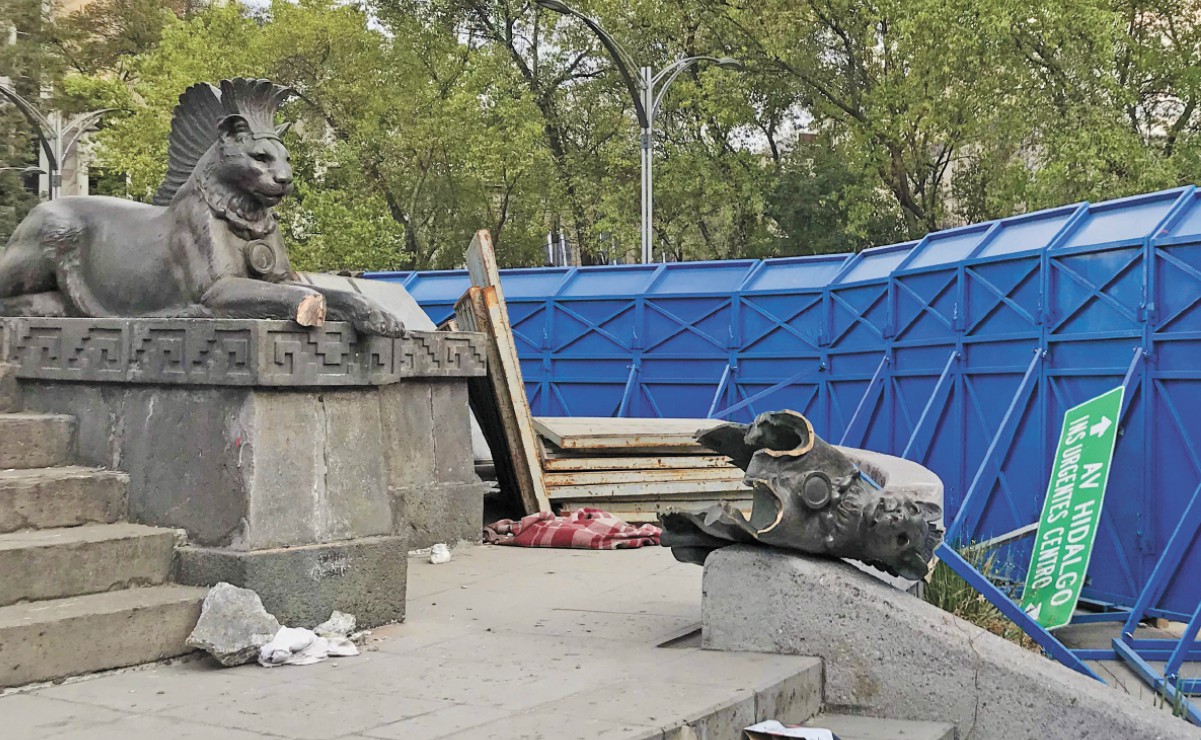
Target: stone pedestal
{"x": 303, "y": 463}
{"x": 890, "y": 654}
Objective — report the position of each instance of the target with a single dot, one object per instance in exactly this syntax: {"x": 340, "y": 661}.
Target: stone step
{"x": 36, "y": 440}
{"x": 10, "y": 398}
{"x": 49, "y": 640}
{"x": 758, "y": 687}
{"x": 847, "y": 727}
{"x": 60, "y": 497}
{"x": 71, "y": 561}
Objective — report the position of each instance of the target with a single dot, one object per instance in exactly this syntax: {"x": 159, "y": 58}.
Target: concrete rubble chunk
{"x": 233, "y": 625}
{"x": 339, "y": 624}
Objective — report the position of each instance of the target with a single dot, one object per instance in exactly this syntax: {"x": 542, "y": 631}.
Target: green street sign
{"x": 1072, "y": 510}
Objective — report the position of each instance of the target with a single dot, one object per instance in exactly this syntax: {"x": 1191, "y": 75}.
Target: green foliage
{"x": 854, "y": 123}
{"x": 946, "y": 590}
{"x": 24, "y": 63}
{"x": 821, "y": 206}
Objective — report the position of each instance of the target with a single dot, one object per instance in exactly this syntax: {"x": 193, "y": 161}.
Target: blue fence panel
{"x": 1173, "y": 391}
{"x": 960, "y": 351}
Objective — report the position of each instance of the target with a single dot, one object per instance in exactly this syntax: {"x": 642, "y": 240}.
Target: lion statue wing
{"x": 193, "y": 131}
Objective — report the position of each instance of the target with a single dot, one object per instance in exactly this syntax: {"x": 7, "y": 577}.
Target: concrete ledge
{"x": 890, "y": 654}
{"x": 36, "y": 440}
{"x": 302, "y": 585}
{"x": 60, "y": 563}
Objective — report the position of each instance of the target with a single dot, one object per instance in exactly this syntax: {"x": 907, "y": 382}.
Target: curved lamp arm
{"x": 625, "y": 63}
{"x": 672, "y": 71}
{"x": 40, "y": 124}
{"x": 80, "y": 125}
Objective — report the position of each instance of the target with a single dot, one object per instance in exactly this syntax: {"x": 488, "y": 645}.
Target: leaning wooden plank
{"x": 644, "y": 490}
{"x": 648, "y": 477}
{"x": 659, "y": 462}
{"x": 476, "y": 311}
{"x": 485, "y": 275}
{"x": 604, "y": 433}
{"x": 481, "y": 396}
{"x": 514, "y": 400}
{"x": 481, "y": 263}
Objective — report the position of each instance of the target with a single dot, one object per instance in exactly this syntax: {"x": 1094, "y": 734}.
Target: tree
{"x": 396, "y": 159}
{"x": 25, "y": 63}
{"x": 856, "y": 122}
{"x": 974, "y": 110}
{"x": 818, "y": 196}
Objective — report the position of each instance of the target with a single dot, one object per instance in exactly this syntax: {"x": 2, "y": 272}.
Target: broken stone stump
{"x": 303, "y": 463}
{"x": 890, "y": 654}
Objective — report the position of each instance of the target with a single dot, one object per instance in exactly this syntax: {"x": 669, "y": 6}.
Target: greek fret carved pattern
{"x": 68, "y": 351}
{"x": 442, "y": 354}
{"x": 380, "y": 357}
{"x": 325, "y": 355}
{"x": 231, "y": 352}
{"x": 198, "y": 353}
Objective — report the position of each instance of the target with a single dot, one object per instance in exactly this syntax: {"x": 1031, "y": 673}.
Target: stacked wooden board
{"x": 634, "y": 468}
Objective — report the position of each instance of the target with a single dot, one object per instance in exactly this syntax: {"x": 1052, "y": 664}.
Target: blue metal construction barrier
{"x": 960, "y": 351}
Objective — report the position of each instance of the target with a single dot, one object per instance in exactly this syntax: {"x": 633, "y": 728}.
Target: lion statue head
{"x": 225, "y": 145}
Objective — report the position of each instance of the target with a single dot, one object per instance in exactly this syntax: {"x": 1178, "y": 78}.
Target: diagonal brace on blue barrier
{"x": 1157, "y": 682}
{"x": 870, "y": 392}
{"x": 937, "y": 398}
{"x": 997, "y": 598}
{"x": 746, "y": 402}
{"x": 977, "y": 493}
{"x": 627, "y": 392}
{"x": 721, "y": 388}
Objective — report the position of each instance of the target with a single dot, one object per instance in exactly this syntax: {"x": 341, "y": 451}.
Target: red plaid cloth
{"x": 584, "y": 529}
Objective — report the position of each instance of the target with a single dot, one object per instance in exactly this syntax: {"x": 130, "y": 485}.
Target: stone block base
{"x": 10, "y": 399}
{"x": 890, "y": 654}
{"x": 302, "y": 585}
{"x": 449, "y": 513}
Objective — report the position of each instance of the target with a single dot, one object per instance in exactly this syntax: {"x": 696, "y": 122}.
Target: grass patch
{"x": 946, "y": 590}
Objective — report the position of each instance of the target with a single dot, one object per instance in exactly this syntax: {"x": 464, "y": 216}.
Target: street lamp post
{"x": 646, "y": 88}
{"x": 56, "y": 134}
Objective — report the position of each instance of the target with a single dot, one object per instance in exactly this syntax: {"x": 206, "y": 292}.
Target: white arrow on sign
{"x": 1034, "y": 611}
{"x": 1099, "y": 428}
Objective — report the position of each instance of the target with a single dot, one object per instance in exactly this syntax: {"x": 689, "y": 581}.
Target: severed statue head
{"x": 811, "y": 497}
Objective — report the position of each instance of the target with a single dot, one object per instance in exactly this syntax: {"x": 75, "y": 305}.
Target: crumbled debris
{"x": 233, "y": 625}
{"x": 339, "y": 624}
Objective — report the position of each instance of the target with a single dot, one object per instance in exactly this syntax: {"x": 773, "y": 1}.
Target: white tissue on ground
{"x": 299, "y": 646}
{"x": 439, "y": 554}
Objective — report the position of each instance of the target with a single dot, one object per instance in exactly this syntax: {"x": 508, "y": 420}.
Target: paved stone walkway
{"x": 499, "y": 643}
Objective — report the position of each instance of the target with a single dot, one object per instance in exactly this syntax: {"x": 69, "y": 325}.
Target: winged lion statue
{"x": 208, "y": 247}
